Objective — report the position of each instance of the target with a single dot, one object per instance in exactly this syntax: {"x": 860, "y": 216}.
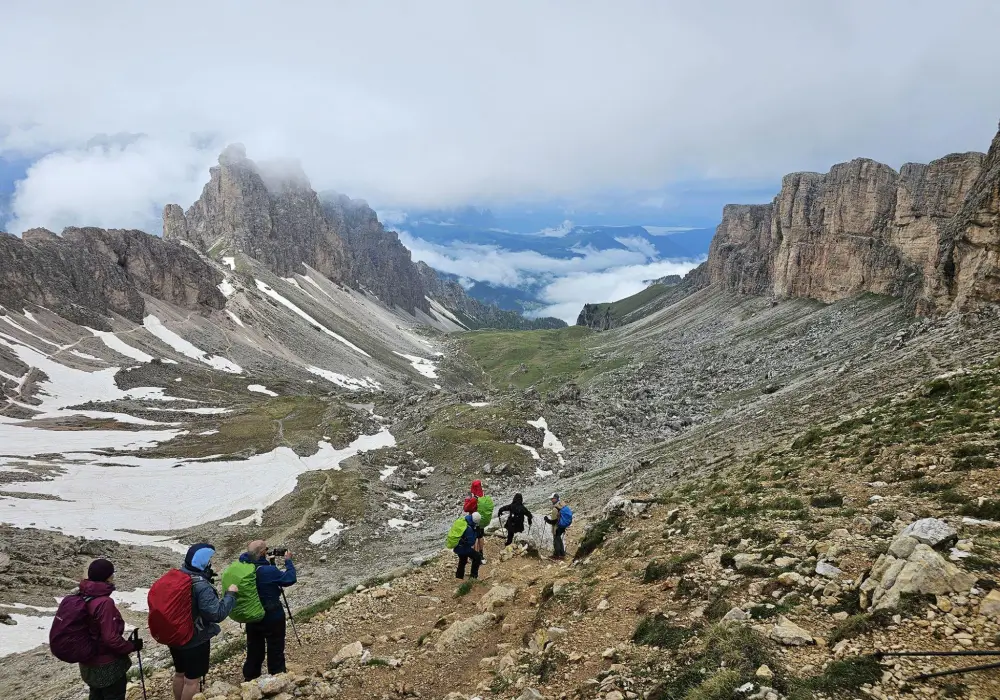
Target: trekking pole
{"x": 138, "y": 654}
{"x": 879, "y": 655}
{"x": 291, "y": 618}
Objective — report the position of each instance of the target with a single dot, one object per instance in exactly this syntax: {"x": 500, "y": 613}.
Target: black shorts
{"x": 480, "y": 533}
{"x": 193, "y": 663}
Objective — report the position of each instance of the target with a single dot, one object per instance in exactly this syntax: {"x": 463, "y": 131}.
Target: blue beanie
{"x": 198, "y": 556}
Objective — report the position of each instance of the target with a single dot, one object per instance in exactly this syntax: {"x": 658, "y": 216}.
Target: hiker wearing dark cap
{"x": 553, "y": 518}
{"x": 105, "y": 673}
{"x": 191, "y": 657}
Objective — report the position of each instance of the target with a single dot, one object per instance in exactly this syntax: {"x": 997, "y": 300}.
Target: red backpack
{"x": 171, "y": 621}
{"x": 70, "y": 638}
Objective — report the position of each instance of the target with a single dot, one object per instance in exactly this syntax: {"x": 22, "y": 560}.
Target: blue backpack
{"x": 565, "y": 517}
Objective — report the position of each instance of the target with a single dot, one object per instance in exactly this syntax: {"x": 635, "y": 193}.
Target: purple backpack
{"x": 70, "y": 638}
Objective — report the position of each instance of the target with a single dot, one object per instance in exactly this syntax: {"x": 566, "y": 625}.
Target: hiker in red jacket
{"x": 106, "y": 673}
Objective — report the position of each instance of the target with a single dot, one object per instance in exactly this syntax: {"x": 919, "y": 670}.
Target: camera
{"x": 277, "y": 552}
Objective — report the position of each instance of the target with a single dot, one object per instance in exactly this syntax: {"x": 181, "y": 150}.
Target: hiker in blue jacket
{"x": 466, "y": 548}
{"x": 267, "y": 637}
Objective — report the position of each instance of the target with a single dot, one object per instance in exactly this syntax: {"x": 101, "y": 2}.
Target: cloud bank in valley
{"x": 441, "y": 102}
{"x": 566, "y": 284}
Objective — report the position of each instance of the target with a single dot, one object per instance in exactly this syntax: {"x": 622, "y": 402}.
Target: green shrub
{"x": 655, "y": 631}
{"x": 848, "y": 674}
{"x": 807, "y": 439}
{"x": 859, "y": 624}
{"x": 595, "y": 535}
{"x": 657, "y": 570}
{"x": 827, "y": 500}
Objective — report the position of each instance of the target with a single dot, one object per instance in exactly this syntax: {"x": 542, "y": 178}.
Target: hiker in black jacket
{"x": 515, "y": 518}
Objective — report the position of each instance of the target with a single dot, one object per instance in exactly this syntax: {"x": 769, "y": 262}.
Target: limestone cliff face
{"x": 969, "y": 254}
{"x": 271, "y": 215}
{"x": 87, "y": 273}
{"x": 923, "y": 233}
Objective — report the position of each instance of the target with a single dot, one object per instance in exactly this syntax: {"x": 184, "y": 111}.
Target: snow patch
{"x": 236, "y": 319}
{"x": 550, "y": 442}
{"x": 30, "y": 631}
{"x": 387, "y": 472}
{"x": 479, "y": 404}
{"x": 27, "y": 314}
{"x": 423, "y": 366}
{"x": 134, "y": 600}
{"x": 120, "y": 346}
{"x": 255, "y": 518}
{"x": 441, "y": 310}
{"x": 331, "y": 528}
{"x": 146, "y": 490}
{"x": 400, "y": 524}
{"x": 156, "y": 327}
{"x": 85, "y": 356}
{"x": 227, "y": 288}
{"x": 24, "y": 330}
{"x": 261, "y": 389}
{"x": 532, "y": 450}
{"x": 342, "y": 380}
{"x": 231, "y": 262}
{"x": 295, "y": 309}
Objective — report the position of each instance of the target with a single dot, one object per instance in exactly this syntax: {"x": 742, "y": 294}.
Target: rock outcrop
{"x": 88, "y": 273}
{"x": 269, "y": 212}
{"x": 925, "y": 233}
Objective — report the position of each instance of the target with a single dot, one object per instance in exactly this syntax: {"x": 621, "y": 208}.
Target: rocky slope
{"x": 270, "y": 213}
{"x": 88, "y": 273}
{"x": 918, "y": 234}
{"x": 781, "y": 576}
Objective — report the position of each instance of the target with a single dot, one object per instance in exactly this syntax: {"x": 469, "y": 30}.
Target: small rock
{"x": 603, "y": 605}
{"x": 736, "y": 614}
{"x": 347, "y": 652}
{"x": 496, "y": 597}
{"x": 788, "y": 633}
{"x": 764, "y": 673}
{"x": 827, "y": 569}
{"x": 614, "y": 695}
{"x": 531, "y": 694}
{"x": 608, "y": 653}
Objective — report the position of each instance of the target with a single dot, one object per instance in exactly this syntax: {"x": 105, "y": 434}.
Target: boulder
{"x": 933, "y": 532}
{"x": 347, "y": 652}
{"x": 735, "y": 615}
{"x": 924, "y": 572}
{"x": 990, "y": 605}
{"x": 531, "y": 694}
{"x": 903, "y": 546}
{"x": 624, "y": 506}
{"x": 460, "y": 631}
{"x": 496, "y": 597}
{"x": 790, "y": 579}
{"x": 788, "y": 633}
{"x": 743, "y": 561}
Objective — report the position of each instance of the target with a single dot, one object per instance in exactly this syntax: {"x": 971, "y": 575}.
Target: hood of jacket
{"x": 94, "y": 589}
{"x": 477, "y": 488}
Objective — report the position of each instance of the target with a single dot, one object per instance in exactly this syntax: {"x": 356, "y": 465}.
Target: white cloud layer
{"x": 591, "y": 275}
{"x": 444, "y": 102}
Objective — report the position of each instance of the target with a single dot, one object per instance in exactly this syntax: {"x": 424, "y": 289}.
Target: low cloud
{"x": 109, "y": 185}
{"x": 443, "y": 112}
{"x": 590, "y": 275}
{"x": 567, "y": 295}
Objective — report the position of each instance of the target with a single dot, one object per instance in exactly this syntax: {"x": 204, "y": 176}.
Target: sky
{"x": 444, "y": 103}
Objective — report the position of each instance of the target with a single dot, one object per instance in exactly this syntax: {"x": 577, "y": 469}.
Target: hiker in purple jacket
{"x": 105, "y": 674}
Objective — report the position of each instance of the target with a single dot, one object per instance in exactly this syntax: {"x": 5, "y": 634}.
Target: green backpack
{"x": 455, "y": 533}
{"x": 248, "y": 607}
{"x": 485, "y": 509}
